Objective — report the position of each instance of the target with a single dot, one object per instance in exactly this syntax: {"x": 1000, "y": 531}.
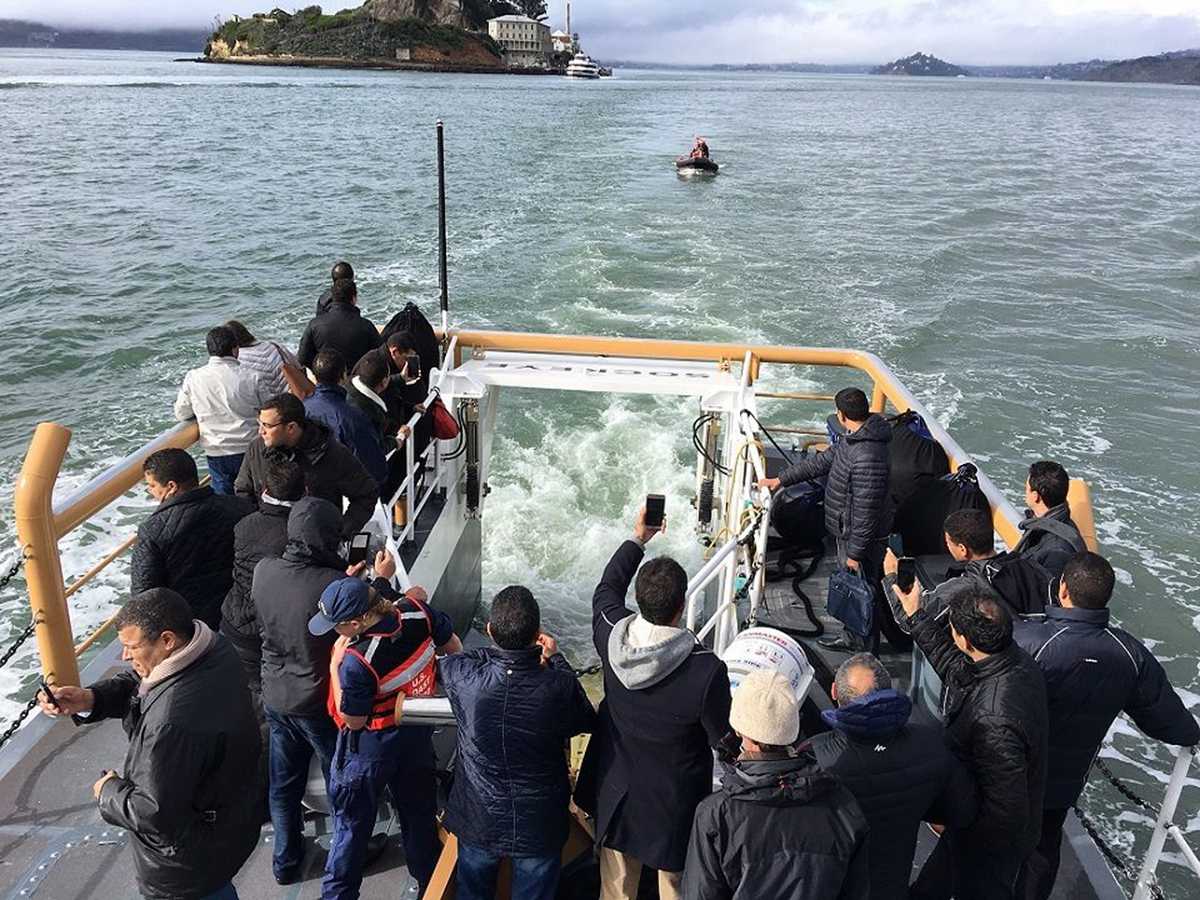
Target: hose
{"x": 789, "y": 566}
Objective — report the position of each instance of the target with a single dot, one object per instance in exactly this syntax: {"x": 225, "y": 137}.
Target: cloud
{"x": 765, "y": 31}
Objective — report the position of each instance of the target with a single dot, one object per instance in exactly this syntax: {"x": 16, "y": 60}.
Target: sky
{"x": 771, "y": 31}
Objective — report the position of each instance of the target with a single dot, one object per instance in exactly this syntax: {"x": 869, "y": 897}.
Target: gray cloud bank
{"x": 773, "y": 31}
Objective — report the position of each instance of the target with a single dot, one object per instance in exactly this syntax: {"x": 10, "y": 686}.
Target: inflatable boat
{"x": 689, "y": 165}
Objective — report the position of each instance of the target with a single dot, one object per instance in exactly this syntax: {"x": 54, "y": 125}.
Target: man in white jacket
{"x": 224, "y": 399}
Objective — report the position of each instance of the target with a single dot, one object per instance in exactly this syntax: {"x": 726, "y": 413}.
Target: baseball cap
{"x": 343, "y": 600}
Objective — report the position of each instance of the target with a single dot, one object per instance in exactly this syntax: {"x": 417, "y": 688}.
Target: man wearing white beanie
{"x": 779, "y": 826}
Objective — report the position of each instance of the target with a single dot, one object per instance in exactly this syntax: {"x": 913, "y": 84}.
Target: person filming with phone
{"x": 857, "y": 512}
{"x": 666, "y": 706}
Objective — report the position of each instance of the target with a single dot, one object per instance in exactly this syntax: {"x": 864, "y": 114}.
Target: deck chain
{"x": 589, "y": 670}
{"x": 16, "y": 645}
{"x": 12, "y": 729}
{"x": 1122, "y": 867}
{"x": 13, "y": 570}
{"x": 1126, "y": 791}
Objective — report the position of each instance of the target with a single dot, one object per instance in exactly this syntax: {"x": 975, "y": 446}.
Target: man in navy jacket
{"x": 346, "y": 422}
{"x": 1093, "y": 672}
{"x": 516, "y": 706}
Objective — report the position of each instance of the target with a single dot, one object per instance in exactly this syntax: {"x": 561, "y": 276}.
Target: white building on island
{"x": 526, "y": 41}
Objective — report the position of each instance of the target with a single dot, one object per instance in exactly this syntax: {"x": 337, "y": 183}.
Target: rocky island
{"x": 920, "y": 64}
{"x": 431, "y": 35}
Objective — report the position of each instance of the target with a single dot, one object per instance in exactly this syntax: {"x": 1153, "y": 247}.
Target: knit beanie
{"x": 765, "y": 709}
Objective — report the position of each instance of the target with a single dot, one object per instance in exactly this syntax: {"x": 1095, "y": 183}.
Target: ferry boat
{"x": 582, "y": 66}
{"x": 55, "y": 844}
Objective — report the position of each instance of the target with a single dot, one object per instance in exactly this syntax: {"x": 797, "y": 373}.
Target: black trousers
{"x": 955, "y": 871}
{"x": 1041, "y": 869}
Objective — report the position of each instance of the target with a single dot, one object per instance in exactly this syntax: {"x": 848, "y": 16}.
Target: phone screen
{"x": 359, "y": 545}
{"x": 412, "y": 367}
{"x": 50, "y": 695}
{"x": 906, "y": 573}
{"x": 656, "y": 505}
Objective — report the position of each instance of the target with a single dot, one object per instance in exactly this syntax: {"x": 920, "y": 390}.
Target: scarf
{"x": 271, "y": 501}
{"x": 368, "y": 393}
{"x": 195, "y": 649}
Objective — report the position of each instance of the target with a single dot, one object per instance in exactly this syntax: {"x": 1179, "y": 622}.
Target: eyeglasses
{"x": 267, "y": 426}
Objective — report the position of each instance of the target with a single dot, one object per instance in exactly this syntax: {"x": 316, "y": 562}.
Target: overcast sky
{"x": 706, "y": 31}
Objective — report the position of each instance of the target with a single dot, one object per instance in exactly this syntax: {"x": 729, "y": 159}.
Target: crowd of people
{"x": 255, "y": 646}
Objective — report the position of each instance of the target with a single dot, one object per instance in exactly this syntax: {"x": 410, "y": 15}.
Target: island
{"x": 1178, "y": 67}
{"x": 921, "y": 64}
{"x": 429, "y": 35}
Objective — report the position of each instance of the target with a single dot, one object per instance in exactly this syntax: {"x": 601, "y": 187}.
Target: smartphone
{"x": 49, "y": 694}
{"x": 412, "y": 367}
{"x": 360, "y": 545}
{"x": 656, "y": 506}
{"x": 906, "y": 573}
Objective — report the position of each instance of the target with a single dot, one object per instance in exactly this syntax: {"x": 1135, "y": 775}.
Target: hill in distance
{"x": 920, "y": 64}
{"x": 20, "y": 33}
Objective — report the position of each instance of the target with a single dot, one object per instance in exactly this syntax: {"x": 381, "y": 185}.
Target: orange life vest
{"x": 400, "y": 669}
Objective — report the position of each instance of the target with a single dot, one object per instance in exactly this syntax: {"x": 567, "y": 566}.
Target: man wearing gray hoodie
{"x": 666, "y": 705}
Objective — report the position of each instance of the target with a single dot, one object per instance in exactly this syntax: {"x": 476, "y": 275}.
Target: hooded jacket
{"x": 185, "y": 794}
{"x": 341, "y": 327}
{"x": 856, "y": 492}
{"x": 666, "y": 705}
{"x": 285, "y": 591}
{"x": 186, "y": 544}
{"x": 901, "y": 772}
{"x": 778, "y": 828}
{"x": 996, "y": 722}
{"x": 1050, "y": 540}
{"x": 1019, "y": 583}
{"x": 331, "y": 472}
{"x": 1094, "y": 672}
{"x": 350, "y": 426}
{"x": 514, "y": 715}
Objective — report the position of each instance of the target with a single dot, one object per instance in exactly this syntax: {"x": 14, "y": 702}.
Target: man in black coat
{"x": 857, "y": 510}
{"x": 260, "y": 535}
{"x": 185, "y": 792}
{"x": 1094, "y": 672}
{"x": 1051, "y": 537}
{"x": 341, "y": 270}
{"x": 516, "y": 705}
{"x": 780, "y": 826}
{"x": 994, "y": 710}
{"x": 1021, "y": 584}
{"x": 666, "y": 705}
{"x": 341, "y": 327}
{"x": 897, "y": 767}
{"x": 187, "y": 543}
{"x": 295, "y": 667}
{"x": 331, "y": 471}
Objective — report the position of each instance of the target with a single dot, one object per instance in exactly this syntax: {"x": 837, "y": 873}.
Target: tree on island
{"x": 535, "y": 9}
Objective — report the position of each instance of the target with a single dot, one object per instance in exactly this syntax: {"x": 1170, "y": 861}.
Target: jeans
{"x": 952, "y": 871}
{"x": 224, "y": 470}
{"x": 365, "y": 763}
{"x": 1041, "y": 869}
{"x": 533, "y": 877}
{"x": 294, "y": 739}
{"x": 225, "y": 892}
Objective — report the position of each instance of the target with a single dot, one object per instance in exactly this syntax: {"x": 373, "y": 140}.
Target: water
{"x": 1025, "y": 255}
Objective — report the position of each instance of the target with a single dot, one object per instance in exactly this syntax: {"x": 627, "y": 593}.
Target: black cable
{"x": 770, "y": 437}
{"x": 789, "y": 566}
{"x": 696, "y": 426}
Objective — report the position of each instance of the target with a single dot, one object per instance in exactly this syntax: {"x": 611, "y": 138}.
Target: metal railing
{"x": 1165, "y": 827}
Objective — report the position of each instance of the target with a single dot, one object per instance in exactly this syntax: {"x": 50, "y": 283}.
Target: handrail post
{"x": 878, "y": 398}
{"x": 1166, "y": 814}
{"x": 43, "y": 566}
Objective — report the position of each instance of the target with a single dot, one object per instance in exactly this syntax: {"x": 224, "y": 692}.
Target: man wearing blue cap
{"x": 386, "y": 652}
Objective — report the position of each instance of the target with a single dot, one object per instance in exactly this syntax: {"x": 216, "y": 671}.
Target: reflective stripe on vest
{"x": 416, "y": 676}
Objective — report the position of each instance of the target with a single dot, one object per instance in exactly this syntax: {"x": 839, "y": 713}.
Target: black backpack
{"x": 412, "y": 320}
{"x": 920, "y": 520}
{"x": 913, "y": 455}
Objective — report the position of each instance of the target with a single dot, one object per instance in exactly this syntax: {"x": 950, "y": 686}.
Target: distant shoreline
{"x": 334, "y": 62}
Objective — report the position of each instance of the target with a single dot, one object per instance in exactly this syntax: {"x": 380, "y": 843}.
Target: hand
{"x": 99, "y": 785}
{"x": 771, "y": 484}
{"x": 419, "y": 407}
{"x": 385, "y": 564}
{"x": 71, "y": 700}
{"x": 418, "y": 593}
{"x": 891, "y": 563}
{"x": 357, "y": 569}
{"x": 549, "y": 646}
{"x": 853, "y": 565}
{"x": 911, "y": 601}
{"x": 644, "y": 532}
{"x": 402, "y": 434}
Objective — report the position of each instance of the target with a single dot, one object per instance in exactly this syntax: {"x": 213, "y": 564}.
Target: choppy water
{"x": 1025, "y": 255}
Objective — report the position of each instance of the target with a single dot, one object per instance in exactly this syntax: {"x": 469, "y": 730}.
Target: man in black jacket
{"x": 295, "y": 667}
{"x": 1051, "y": 537}
{"x": 1020, "y": 583}
{"x": 187, "y": 543}
{"x": 193, "y": 745}
{"x": 666, "y": 705}
{"x": 780, "y": 826}
{"x": 857, "y": 511}
{"x": 260, "y": 535}
{"x": 341, "y": 327}
{"x": 331, "y": 470}
{"x": 897, "y": 767}
{"x": 994, "y": 710}
{"x": 516, "y": 706}
{"x": 341, "y": 270}
{"x": 1093, "y": 671}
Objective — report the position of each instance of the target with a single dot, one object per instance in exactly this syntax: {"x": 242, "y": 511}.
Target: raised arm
{"x": 183, "y": 401}
{"x": 807, "y": 469}
{"x": 1155, "y": 707}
